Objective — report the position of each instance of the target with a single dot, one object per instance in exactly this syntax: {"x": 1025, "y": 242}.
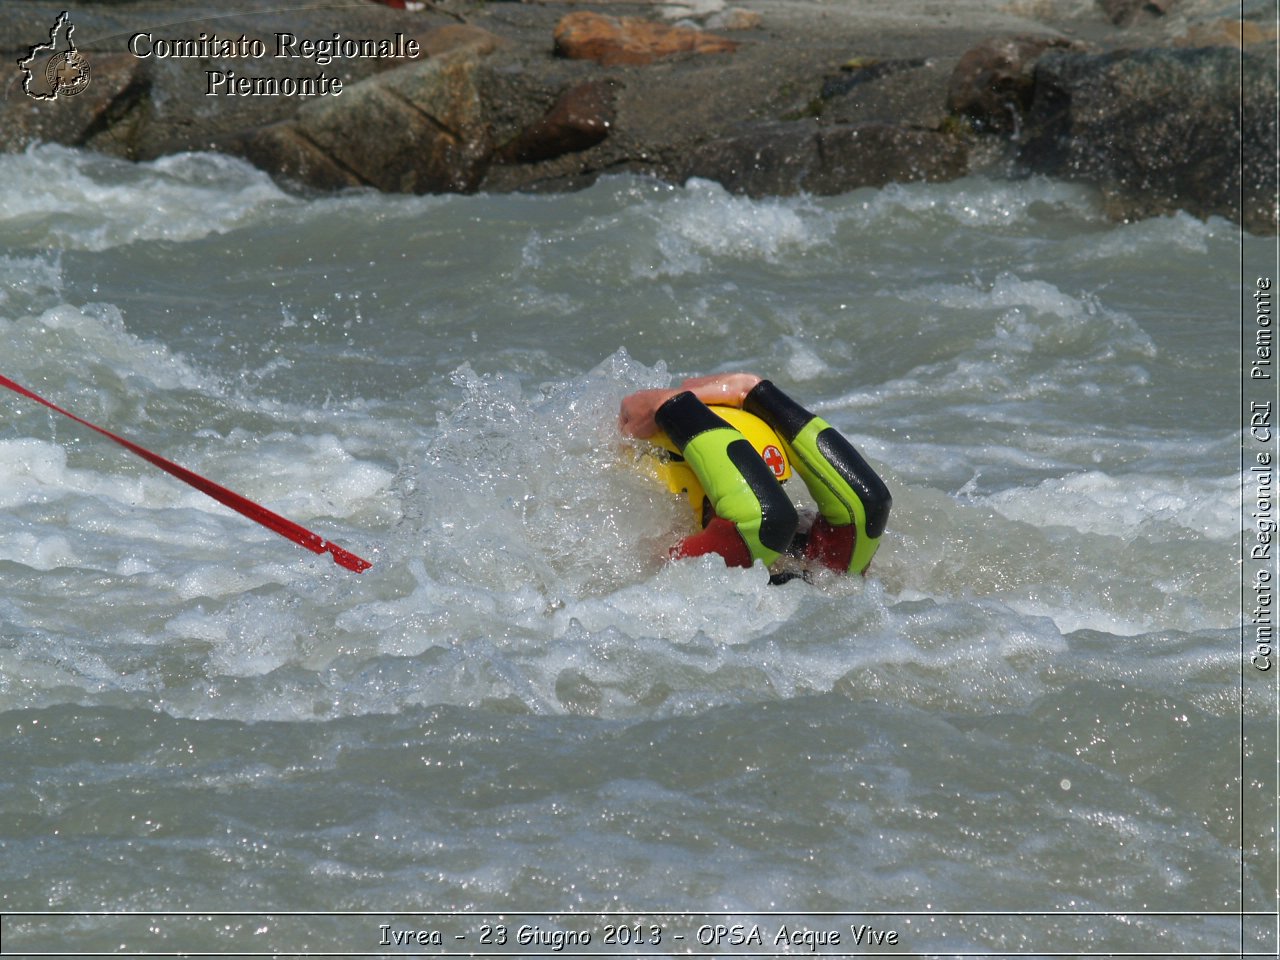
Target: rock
{"x": 909, "y": 92}
{"x": 875, "y": 154}
{"x": 1158, "y": 130}
{"x": 1124, "y": 12}
{"x": 801, "y": 156}
{"x": 106, "y": 115}
{"x": 864, "y": 70}
{"x": 735, "y": 18}
{"x": 283, "y": 152}
{"x": 159, "y": 105}
{"x": 991, "y": 84}
{"x": 614, "y": 41}
{"x": 519, "y": 96}
{"x": 777, "y": 116}
{"x": 762, "y": 160}
{"x": 579, "y": 119}
{"x": 692, "y": 9}
{"x": 1226, "y": 33}
{"x": 455, "y": 36}
{"x": 418, "y": 128}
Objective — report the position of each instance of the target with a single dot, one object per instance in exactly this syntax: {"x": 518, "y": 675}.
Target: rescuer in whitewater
{"x": 732, "y": 440}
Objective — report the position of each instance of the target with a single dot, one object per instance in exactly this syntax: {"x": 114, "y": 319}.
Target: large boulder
{"x": 143, "y": 107}
{"x": 827, "y": 98}
{"x": 580, "y": 118}
{"x": 908, "y": 91}
{"x": 1124, "y": 12}
{"x": 614, "y": 41}
{"x": 105, "y": 116}
{"x": 419, "y": 128}
{"x": 1227, "y": 33}
{"x": 992, "y": 83}
{"x": 1160, "y": 130}
{"x": 801, "y": 156}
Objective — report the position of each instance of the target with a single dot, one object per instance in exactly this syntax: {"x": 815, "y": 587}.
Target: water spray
{"x": 242, "y": 505}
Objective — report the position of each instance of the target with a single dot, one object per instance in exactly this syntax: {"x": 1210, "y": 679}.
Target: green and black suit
{"x": 753, "y": 517}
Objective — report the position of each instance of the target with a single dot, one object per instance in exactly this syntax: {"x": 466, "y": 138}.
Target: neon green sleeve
{"x": 741, "y": 488}
{"x": 847, "y": 490}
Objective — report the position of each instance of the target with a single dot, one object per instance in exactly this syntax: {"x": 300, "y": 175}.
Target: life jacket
{"x": 680, "y": 478}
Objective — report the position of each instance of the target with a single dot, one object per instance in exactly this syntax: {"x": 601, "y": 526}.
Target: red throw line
{"x": 254, "y": 511}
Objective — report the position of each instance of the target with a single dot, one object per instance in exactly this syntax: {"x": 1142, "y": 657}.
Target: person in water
{"x": 735, "y": 483}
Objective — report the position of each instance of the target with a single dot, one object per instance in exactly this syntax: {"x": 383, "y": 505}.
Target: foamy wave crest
{"x": 83, "y": 358}
{"x": 1129, "y": 570}
{"x": 1024, "y": 339}
{"x": 1145, "y": 504}
{"x": 29, "y": 284}
{"x": 704, "y": 222}
{"x": 975, "y": 202}
{"x": 75, "y": 200}
{"x": 35, "y": 471}
{"x": 531, "y": 487}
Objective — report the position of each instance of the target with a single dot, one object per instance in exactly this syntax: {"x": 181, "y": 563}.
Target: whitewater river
{"x": 1020, "y": 733}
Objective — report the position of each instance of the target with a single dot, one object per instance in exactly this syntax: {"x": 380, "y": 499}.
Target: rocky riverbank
{"x": 1164, "y": 105}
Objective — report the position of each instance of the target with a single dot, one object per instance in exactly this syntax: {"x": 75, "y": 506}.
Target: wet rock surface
{"x": 1155, "y": 129}
{"x": 780, "y": 159}
{"x": 993, "y": 84}
{"x": 617, "y": 41}
{"x": 764, "y": 96}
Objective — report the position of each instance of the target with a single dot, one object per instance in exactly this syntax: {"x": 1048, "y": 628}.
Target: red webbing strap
{"x": 254, "y": 511}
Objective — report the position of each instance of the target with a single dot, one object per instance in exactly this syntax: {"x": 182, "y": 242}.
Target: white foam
{"x": 1147, "y": 504}
{"x": 76, "y": 200}
{"x": 27, "y": 281}
{"x": 50, "y": 340}
{"x": 302, "y": 475}
{"x": 1018, "y": 340}
{"x": 520, "y": 550}
{"x": 38, "y": 552}
{"x": 1143, "y": 240}
{"x": 803, "y": 362}
{"x": 975, "y": 202}
{"x": 35, "y": 472}
{"x": 705, "y": 222}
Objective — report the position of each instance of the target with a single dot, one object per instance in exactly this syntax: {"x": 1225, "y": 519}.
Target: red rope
{"x": 243, "y": 505}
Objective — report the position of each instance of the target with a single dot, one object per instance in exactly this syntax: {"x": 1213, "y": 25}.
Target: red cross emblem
{"x": 773, "y": 457}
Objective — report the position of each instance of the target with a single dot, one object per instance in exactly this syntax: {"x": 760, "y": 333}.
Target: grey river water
{"x": 1031, "y": 705}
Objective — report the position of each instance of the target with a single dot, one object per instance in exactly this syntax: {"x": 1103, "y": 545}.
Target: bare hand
{"x": 635, "y": 418}
{"x": 723, "y": 389}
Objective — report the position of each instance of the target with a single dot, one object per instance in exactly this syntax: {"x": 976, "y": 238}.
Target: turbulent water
{"x": 1030, "y": 705}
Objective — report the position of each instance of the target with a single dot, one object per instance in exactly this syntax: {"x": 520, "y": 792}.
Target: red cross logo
{"x": 773, "y": 457}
